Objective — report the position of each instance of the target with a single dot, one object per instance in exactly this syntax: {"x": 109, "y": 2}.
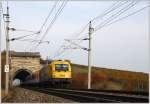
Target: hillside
{"x": 102, "y": 78}
{"x": 110, "y": 79}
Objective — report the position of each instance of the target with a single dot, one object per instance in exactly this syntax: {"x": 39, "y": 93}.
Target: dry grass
{"x": 2, "y": 93}
{"x": 109, "y": 79}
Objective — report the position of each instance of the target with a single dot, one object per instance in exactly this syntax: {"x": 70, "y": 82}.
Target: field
{"x": 110, "y": 79}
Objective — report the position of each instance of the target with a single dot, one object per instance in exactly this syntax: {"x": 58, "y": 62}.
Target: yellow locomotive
{"x": 58, "y": 72}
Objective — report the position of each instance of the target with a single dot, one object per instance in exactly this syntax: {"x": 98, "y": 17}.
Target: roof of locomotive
{"x": 55, "y": 61}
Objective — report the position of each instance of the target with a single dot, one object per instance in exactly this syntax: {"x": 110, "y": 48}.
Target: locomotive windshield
{"x": 61, "y": 67}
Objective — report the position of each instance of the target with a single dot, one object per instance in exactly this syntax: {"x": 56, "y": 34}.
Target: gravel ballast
{"x": 21, "y": 95}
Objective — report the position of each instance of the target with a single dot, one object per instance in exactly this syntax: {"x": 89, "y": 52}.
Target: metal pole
{"x": 7, "y": 52}
{"x": 47, "y": 60}
{"x": 89, "y": 56}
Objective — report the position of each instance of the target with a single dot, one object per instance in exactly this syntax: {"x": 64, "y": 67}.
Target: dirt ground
{"x": 21, "y": 95}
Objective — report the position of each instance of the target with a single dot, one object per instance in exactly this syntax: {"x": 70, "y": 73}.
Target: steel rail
{"x": 105, "y": 93}
{"x": 91, "y": 96}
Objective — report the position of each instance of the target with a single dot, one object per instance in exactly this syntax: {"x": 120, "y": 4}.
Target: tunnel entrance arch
{"x": 22, "y": 74}
{"x": 23, "y": 64}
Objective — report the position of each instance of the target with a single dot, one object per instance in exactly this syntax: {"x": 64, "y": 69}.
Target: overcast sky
{"x": 123, "y": 45}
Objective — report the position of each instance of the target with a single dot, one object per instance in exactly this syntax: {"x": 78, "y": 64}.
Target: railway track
{"x": 90, "y": 96}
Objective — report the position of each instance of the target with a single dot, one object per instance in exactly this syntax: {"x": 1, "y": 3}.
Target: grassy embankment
{"x": 110, "y": 79}
{"x": 103, "y": 78}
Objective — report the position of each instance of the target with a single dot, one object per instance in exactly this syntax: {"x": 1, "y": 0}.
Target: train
{"x": 57, "y": 73}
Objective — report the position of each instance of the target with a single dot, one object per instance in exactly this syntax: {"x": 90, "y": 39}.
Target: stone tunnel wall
{"x": 19, "y": 60}
{"x": 30, "y": 63}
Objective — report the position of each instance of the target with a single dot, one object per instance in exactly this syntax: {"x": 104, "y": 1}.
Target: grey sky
{"x": 123, "y": 45}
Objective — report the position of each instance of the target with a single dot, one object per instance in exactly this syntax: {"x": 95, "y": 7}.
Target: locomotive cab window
{"x": 61, "y": 67}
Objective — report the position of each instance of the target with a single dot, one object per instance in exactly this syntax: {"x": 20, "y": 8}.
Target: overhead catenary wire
{"x": 104, "y": 13}
{"x": 113, "y": 7}
{"x": 81, "y": 31}
{"x": 45, "y": 21}
{"x": 31, "y": 40}
{"x": 110, "y": 9}
{"x": 114, "y": 16}
{"x": 49, "y": 14}
{"x": 77, "y": 45}
{"x": 23, "y": 30}
{"x": 127, "y": 15}
{"x": 61, "y": 49}
{"x": 129, "y": 6}
{"x": 77, "y": 34}
{"x": 17, "y": 38}
{"x": 52, "y": 22}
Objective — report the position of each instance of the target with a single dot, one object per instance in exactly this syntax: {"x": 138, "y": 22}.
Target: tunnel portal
{"x": 22, "y": 74}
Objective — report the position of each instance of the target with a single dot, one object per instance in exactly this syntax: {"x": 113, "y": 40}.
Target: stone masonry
{"x": 24, "y": 60}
